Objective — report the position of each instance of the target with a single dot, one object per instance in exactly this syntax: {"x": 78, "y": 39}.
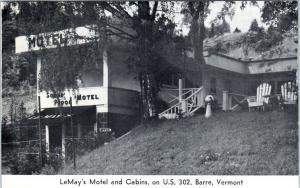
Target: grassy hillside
{"x": 228, "y": 143}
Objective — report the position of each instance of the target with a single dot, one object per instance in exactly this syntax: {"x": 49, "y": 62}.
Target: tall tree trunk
{"x": 198, "y": 34}
{"x": 148, "y": 95}
{"x": 145, "y": 44}
{"x": 200, "y": 48}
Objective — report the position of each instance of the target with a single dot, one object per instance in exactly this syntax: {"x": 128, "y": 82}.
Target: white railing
{"x": 175, "y": 98}
{"x": 233, "y": 101}
{"x": 194, "y": 101}
{"x": 187, "y": 93}
{"x": 187, "y": 106}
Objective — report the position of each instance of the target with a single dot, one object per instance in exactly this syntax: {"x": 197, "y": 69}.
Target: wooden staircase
{"x": 191, "y": 101}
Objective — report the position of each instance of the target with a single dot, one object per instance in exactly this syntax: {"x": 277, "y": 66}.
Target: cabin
{"x": 238, "y": 76}
{"x": 229, "y": 80}
{"x": 108, "y": 94}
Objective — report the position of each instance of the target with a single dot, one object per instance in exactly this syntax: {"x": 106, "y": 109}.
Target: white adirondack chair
{"x": 289, "y": 93}
{"x": 259, "y": 100}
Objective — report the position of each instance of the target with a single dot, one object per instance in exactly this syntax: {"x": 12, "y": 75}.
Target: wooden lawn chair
{"x": 289, "y": 93}
{"x": 260, "y": 99}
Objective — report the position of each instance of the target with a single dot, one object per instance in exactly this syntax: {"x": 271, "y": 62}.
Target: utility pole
{"x": 72, "y": 129}
{"x": 40, "y": 133}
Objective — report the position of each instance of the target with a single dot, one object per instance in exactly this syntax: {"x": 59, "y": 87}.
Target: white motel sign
{"x": 62, "y": 38}
{"x": 81, "y": 97}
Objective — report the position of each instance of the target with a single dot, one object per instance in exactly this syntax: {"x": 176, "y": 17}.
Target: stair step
{"x": 170, "y": 116}
{"x": 192, "y": 103}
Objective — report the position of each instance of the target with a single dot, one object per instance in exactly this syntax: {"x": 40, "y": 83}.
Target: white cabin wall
{"x": 273, "y": 66}
{"x": 227, "y": 64}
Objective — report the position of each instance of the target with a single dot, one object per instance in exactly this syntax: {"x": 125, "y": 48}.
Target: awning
{"x": 48, "y": 116}
{"x": 55, "y": 115}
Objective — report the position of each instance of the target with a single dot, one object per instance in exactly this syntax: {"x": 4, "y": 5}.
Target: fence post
{"x": 225, "y": 101}
{"x": 72, "y": 130}
{"x": 47, "y": 139}
{"x": 40, "y": 133}
{"x": 229, "y": 102}
{"x": 180, "y": 95}
{"x": 63, "y": 142}
{"x": 79, "y": 130}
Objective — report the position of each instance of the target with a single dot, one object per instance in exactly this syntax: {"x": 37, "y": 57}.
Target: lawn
{"x": 239, "y": 143}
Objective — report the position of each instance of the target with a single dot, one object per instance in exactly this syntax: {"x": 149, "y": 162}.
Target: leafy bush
{"x": 54, "y": 161}
{"x": 22, "y": 163}
{"x": 270, "y": 40}
{"x": 219, "y": 47}
{"x": 48, "y": 170}
{"x": 25, "y": 158}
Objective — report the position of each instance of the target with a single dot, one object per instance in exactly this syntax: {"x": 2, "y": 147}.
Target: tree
{"x": 222, "y": 28}
{"x": 10, "y": 65}
{"x": 212, "y": 31}
{"x": 281, "y": 14}
{"x": 254, "y": 26}
{"x": 218, "y": 28}
{"x": 198, "y": 11}
{"x": 237, "y": 30}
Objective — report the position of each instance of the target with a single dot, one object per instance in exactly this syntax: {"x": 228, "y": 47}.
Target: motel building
{"x": 108, "y": 96}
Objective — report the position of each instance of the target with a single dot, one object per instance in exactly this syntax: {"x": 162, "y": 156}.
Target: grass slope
{"x": 228, "y": 143}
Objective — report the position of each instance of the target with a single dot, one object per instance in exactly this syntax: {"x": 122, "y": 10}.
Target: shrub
{"x": 88, "y": 143}
{"x": 270, "y": 40}
{"x": 219, "y": 48}
{"x": 24, "y": 160}
{"x": 21, "y": 163}
{"x": 48, "y": 170}
{"x": 55, "y": 160}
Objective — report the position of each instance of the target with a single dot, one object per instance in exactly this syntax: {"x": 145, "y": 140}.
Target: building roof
{"x": 251, "y": 67}
{"x": 250, "y": 60}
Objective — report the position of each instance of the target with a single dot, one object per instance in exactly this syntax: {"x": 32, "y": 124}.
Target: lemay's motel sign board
{"x": 81, "y": 97}
{"x": 62, "y": 38}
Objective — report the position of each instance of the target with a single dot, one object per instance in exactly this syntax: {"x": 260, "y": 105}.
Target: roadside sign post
{"x": 72, "y": 129}
{"x": 40, "y": 134}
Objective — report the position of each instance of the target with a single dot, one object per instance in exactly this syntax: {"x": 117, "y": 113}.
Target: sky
{"x": 242, "y": 18}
